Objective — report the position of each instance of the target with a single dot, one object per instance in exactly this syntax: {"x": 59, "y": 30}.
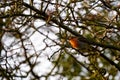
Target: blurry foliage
{"x": 70, "y": 68}
{"x": 31, "y": 30}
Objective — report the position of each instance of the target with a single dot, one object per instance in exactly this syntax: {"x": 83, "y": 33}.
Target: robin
{"x": 78, "y": 44}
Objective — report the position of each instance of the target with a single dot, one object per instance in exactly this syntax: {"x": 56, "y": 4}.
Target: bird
{"x": 78, "y": 44}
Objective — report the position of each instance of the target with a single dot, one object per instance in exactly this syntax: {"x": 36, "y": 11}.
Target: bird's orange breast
{"x": 74, "y": 43}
